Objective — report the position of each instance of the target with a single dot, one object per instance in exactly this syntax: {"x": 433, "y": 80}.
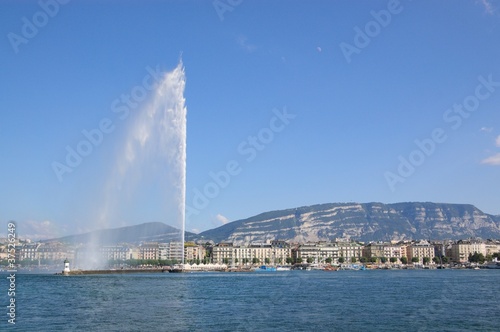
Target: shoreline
{"x": 256, "y": 270}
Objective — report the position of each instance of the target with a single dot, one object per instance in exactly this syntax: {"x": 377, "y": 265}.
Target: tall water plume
{"x": 148, "y": 180}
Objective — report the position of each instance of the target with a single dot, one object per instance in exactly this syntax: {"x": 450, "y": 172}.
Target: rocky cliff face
{"x": 363, "y": 222}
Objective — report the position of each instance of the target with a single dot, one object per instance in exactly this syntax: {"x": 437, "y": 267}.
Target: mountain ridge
{"x": 145, "y": 232}
{"x": 373, "y": 221}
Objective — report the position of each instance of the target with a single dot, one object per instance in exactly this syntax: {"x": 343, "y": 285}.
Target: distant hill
{"x": 356, "y": 221}
{"x": 153, "y": 231}
{"x": 363, "y": 222}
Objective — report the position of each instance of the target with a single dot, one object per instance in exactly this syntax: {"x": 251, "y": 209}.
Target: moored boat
{"x": 330, "y": 268}
{"x": 492, "y": 265}
{"x": 283, "y": 268}
{"x": 265, "y": 268}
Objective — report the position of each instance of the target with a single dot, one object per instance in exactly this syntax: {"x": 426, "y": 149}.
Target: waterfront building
{"x": 350, "y": 250}
{"x": 461, "y": 250}
{"x": 281, "y": 250}
{"x": 384, "y": 250}
{"x": 170, "y": 251}
{"x": 176, "y": 251}
{"x": 163, "y": 251}
{"x": 27, "y": 251}
{"x": 118, "y": 252}
{"x": 194, "y": 252}
{"x": 135, "y": 253}
{"x": 259, "y": 252}
{"x": 149, "y": 250}
{"x": 317, "y": 252}
{"x": 439, "y": 248}
{"x": 420, "y": 250}
{"x": 54, "y": 251}
{"x": 272, "y": 253}
{"x": 492, "y": 247}
{"x": 222, "y": 252}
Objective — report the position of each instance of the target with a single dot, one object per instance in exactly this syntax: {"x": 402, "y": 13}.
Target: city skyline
{"x": 385, "y": 101}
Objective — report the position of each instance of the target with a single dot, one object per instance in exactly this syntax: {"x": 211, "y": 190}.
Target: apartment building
{"x": 384, "y": 249}
{"x": 420, "y": 250}
{"x": 461, "y": 250}
{"x": 317, "y": 252}
{"x": 350, "y": 250}
{"x": 275, "y": 252}
{"x": 118, "y": 252}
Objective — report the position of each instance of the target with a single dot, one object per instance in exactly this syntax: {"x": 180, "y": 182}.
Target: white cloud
{"x": 488, "y": 7}
{"x": 497, "y": 141}
{"x": 244, "y": 44}
{"x": 493, "y": 160}
{"x": 318, "y": 49}
{"x": 486, "y": 129}
{"x": 223, "y": 220}
{"x": 195, "y": 230}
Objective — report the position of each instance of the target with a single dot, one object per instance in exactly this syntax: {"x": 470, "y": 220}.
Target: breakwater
{"x": 121, "y": 271}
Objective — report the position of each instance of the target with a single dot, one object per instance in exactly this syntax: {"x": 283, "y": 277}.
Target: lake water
{"x": 401, "y": 300}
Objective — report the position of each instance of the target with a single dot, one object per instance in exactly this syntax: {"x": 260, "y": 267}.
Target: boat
{"x": 283, "y": 268}
{"x": 352, "y": 267}
{"x": 265, "y": 268}
{"x": 330, "y": 268}
{"x": 492, "y": 265}
{"x": 316, "y": 267}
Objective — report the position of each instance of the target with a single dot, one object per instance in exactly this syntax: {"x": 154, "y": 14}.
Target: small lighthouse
{"x": 66, "y": 266}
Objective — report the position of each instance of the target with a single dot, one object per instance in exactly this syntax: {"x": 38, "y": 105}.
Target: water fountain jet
{"x": 148, "y": 179}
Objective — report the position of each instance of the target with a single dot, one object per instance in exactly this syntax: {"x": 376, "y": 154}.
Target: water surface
{"x": 402, "y": 300}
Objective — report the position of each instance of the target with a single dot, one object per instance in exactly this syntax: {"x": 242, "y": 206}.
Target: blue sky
{"x": 306, "y": 102}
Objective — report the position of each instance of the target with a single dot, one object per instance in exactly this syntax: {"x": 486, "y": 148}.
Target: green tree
{"x": 310, "y": 260}
{"x": 477, "y": 258}
{"x": 353, "y": 260}
{"x": 151, "y": 262}
{"x": 426, "y": 260}
{"x": 445, "y": 259}
{"x": 436, "y": 260}
{"x": 404, "y": 260}
{"x": 415, "y": 260}
{"x": 225, "y": 260}
{"x": 236, "y": 260}
{"x": 341, "y": 260}
{"x": 328, "y": 260}
{"x": 299, "y": 260}
{"x": 393, "y": 260}
{"x": 289, "y": 260}
{"x": 245, "y": 260}
{"x": 363, "y": 259}
{"x": 373, "y": 259}
{"x": 383, "y": 260}
{"x": 267, "y": 260}
{"x": 255, "y": 260}
{"x": 489, "y": 258}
